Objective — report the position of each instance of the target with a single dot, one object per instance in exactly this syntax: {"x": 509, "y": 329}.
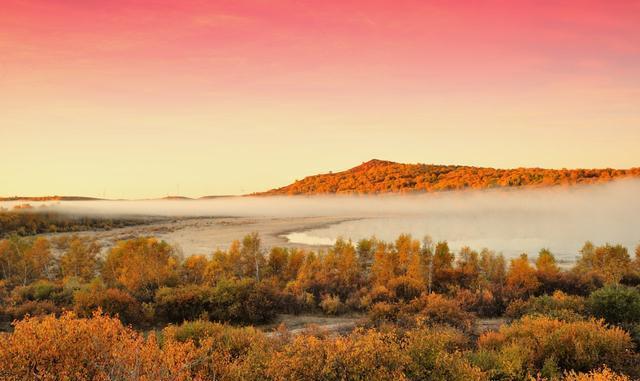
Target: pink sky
{"x": 180, "y": 89}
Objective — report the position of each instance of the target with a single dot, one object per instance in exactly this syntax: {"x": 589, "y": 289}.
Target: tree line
{"x": 25, "y": 220}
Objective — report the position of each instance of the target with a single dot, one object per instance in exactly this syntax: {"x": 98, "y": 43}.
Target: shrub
{"x": 436, "y": 308}
{"x": 178, "y": 304}
{"x": 616, "y": 304}
{"x": 235, "y": 340}
{"x": 383, "y": 312}
{"x": 67, "y": 348}
{"x": 380, "y": 294}
{"x": 241, "y": 301}
{"x": 405, "y": 288}
{"x": 331, "y": 304}
{"x": 100, "y": 348}
{"x": 436, "y": 354}
{"x": 362, "y": 355}
{"x": 481, "y": 302}
{"x": 533, "y": 343}
{"x": 112, "y": 302}
{"x": 559, "y": 305}
{"x": 39, "y": 290}
{"x": 597, "y": 375}
{"x": 31, "y": 308}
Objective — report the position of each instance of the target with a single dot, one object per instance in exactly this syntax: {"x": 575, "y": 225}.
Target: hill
{"x": 379, "y": 176}
{"x": 49, "y": 198}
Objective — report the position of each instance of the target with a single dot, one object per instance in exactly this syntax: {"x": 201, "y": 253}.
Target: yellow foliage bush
{"x": 535, "y": 344}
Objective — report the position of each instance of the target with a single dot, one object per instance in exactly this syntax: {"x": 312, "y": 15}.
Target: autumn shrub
{"x": 141, "y": 266}
{"x": 177, "y": 304}
{"x": 436, "y": 308}
{"x": 362, "y": 355}
{"x": 331, "y": 304}
{"x": 482, "y": 302}
{"x": 239, "y": 300}
{"x": 68, "y": 348}
{"x": 383, "y": 312}
{"x": 380, "y": 294}
{"x": 223, "y": 352}
{"x": 605, "y": 374}
{"x": 101, "y": 348}
{"x": 236, "y": 341}
{"x": 282, "y": 299}
{"x": 616, "y": 304}
{"x": 42, "y": 290}
{"x": 438, "y": 354}
{"x": 304, "y": 301}
{"x": 31, "y": 308}
{"x": 542, "y": 344}
{"x": 559, "y": 305}
{"x": 111, "y": 301}
{"x": 358, "y": 300}
{"x": 575, "y": 282}
{"x": 405, "y": 288}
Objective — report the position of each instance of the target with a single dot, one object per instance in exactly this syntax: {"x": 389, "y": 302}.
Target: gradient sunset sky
{"x": 133, "y": 98}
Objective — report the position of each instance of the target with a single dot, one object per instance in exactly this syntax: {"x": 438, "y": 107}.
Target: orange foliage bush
{"x": 597, "y": 375}
{"x": 541, "y": 343}
{"x": 112, "y": 301}
{"x": 101, "y": 348}
{"x": 363, "y": 355}
{"x": 436, "y": 308}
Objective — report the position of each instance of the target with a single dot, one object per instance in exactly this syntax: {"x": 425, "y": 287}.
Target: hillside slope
{"x": 378, "y": 176}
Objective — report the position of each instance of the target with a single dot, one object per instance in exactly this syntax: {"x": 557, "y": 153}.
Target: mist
{"x": 509, "y": 221}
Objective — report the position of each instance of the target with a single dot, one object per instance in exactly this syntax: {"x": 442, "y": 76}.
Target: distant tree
{"x": 547, "y": 271}
{"x": 468, "y": 268}
{"x": 252, "y": 257}
{"x": 141, "y": 265}
{"x": 80, "y": 257}
{"x": 192, "y": 270}
{"x": 277, "y": 262}
{"x": 366, "y": 249}
{"x": 296, "y": 260}
{"x": 219, "y": 266}
{"x": 546, "y": 262}
{"x": 24, "y": 260}
{"x": 442, "y": 266}
{"x": 521, "y": 278}
{"x": 608, "y": 261}
{"x": 385, "y": 264}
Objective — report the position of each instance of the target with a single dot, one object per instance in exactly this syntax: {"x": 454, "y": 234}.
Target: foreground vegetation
{"x": 84, "y": 314}
{"x": 378, "y": 176}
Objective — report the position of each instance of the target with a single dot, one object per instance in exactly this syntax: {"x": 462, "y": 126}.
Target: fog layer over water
{"x": 512, "y": 222}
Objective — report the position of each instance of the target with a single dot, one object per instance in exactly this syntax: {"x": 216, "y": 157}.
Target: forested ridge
{"x": 378, "y": 176}
{"x": 141, "y": 311}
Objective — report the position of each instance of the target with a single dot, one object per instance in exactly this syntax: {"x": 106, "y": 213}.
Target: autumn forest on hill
{"x": 378, "y": 176}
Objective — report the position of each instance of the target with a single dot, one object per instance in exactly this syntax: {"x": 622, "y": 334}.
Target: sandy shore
{"x": 204, "y": 235}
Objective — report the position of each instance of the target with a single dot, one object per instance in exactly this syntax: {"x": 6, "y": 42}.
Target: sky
{"x": 137, "y": 99}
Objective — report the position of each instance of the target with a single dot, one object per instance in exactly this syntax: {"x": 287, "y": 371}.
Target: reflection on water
{"x": 309, "y": 239}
